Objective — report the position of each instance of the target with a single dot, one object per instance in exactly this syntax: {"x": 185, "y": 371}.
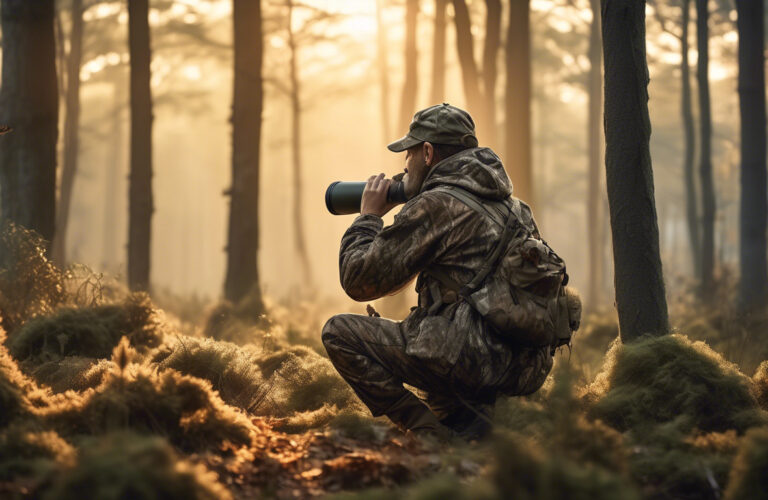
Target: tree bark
{"x": 29, "y": 100}
{"x": 470, "y": 76}
{"x": 71, "y": 132}
{"x": 140, "y": 177}
{"x": 298, "y": 195}
{"x": 705, "y": 154}
{"x": 517, "y": 142}
{"x": 753, "y": 157}
{"x": 691, "y": 194}
{"x": 640, "y": 299}
{"x": 490, "y": 53}
{"x": 243, "y": 237}
{"x": 115, "y": 170}
{"x": 437, "y": 93}
{"x": 383, "y": 47}
{"x": 595, "y": 90}
{"x": 410, "y": 85}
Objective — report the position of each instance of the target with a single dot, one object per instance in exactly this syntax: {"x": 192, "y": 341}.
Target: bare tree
{"x": 29, "y": 100}
{"x": 71, "y": 131}
{"x": 705, "y": 153}
{"x": 295, "y": 96}
{"x": 753, "y": 158}
{"x": 437, "y": 93}
{"x": 242, "y": 277}
{"x": 490, "y": 53}
{"x": 594, "y": 214}
{"x": 410, "y": 85}
{"x": 140, "y": 177}
{"x": 470, "y": 75}
{"x": 640, "y": 299}
{"x": 383, "y": 47}
{"x": 691, "y": 193}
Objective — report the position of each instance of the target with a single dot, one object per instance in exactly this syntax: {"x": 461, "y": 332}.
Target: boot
{"x": 412, "y": 416}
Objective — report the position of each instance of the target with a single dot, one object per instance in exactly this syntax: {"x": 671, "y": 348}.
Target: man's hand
{"x": 375, "y": 196}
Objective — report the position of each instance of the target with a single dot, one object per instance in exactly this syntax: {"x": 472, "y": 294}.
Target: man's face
{"x": 415, "y": 170}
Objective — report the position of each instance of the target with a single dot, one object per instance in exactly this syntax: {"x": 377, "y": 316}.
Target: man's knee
{"x": 336, "y": 331}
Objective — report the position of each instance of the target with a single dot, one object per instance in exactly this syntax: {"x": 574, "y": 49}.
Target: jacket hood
{"x": 477, "y": 170}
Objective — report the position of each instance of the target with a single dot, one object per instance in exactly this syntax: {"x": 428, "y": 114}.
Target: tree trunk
{"x": 691, "y": 195}
{"x": 71, "y": 132}
{"x": 115, "y": 169}
{"x": 437, "y": 94}
{"x": 753, "y": 156}
{"x": 469, "y": 74}
{"x": 640, "y": 299}
{"x": 383, "y": 47}
{"x": 517, "y": 142}
{"x": 298, "y": 195}
{"x": 410, "y": 85}
{"x": 705, "y": 154}
{"x": 243, "y": 238}
{"x": 596, "y": 255}
{"x": 490, "y": 53}
{"x": 140, "y": 177}
{"x": 29, "y": 101}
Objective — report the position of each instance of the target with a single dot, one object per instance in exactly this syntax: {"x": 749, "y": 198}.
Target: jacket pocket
{"x": 437, "y": 344}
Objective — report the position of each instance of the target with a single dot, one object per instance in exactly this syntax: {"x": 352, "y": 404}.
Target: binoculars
{"x": 342, "y": 198}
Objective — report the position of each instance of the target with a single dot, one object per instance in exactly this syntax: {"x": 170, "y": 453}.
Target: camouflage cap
{"x": 438, "y": 124}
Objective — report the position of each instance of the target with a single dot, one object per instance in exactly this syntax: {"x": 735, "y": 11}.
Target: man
{"x": 444, "y": 347}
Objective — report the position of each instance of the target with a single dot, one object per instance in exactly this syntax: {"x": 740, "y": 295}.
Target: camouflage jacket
{"x": 435, "y": 229}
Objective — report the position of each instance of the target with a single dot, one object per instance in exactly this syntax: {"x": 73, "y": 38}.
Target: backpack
{"x": 521, "y": 288}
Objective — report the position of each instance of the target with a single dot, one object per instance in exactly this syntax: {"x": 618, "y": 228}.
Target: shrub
{"x": 748, "y": 477}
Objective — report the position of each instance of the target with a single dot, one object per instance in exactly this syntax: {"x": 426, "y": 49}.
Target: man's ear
{"x": 429, "y": 154}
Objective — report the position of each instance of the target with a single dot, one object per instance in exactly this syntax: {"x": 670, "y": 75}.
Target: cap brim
{"x": 403, "y": 144}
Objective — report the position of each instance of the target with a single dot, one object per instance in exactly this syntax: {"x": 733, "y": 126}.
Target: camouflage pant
{"x": 370, "y": 354}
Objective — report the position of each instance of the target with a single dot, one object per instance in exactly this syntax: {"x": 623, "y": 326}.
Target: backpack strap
{"x": 512, "y": 226}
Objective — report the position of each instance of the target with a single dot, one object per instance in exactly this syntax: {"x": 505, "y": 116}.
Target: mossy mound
{"x": 749, "y": 474}
{"x": 126, "y": 465}
{"x": 232, "y": 370}
{"x": 14, "y": 387}
{"x": 31, "y": 452}
{"x": 88, "y": 331}
{"x": 660, "y": 379}
{"x": 760, "y": 379}
{"x": 71, "y": 373}
{"x": 184, "y": 409}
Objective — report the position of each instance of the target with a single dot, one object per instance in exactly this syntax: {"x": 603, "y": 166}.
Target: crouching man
{"x": 444, "y": 347}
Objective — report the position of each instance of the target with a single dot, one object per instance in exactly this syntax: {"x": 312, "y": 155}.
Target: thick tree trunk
{"x": 247, "y": 104}
{"x": 640, "y": 299}
{"x": 140, "y": 177}
{"x": 490, "y": 53}
{"x": 410, "y": 85}
{"x": 691, "y": 195}
{"x": 705, "y": 154}
{"x": 71, "y": 132}
{"x": 298, "y": 195}
{"x": 437, "y": 94}
{"x": 470, "y": 76}
{"x": 517, "y": 143}
{"x": 596, "y": 254}
{"x": 29, "y": 103}
{"x": 383, "y": 48}
{"x": 753, "y": 157}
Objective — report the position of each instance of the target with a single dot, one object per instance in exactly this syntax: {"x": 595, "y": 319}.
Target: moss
{"x": 760, "y": 380}
{"x": 88, "y": 331}
{"x": 28, "y": 451}
{"x": 15, "y": 388}
{"x": 748, "y": 478}
{"x": 659, "y": 379}
{"x": 183, "y": 408}
{"x": 232, "y": 371}
{"x": 356, "y": 425}
{"x": 70, "y": 373}
{"x": 127, "y": 465}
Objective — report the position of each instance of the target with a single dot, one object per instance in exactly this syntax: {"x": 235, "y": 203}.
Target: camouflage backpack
{"x": 521, "y": 289}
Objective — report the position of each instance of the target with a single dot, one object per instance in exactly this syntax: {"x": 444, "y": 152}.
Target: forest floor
{"x": 120, "y": 395}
